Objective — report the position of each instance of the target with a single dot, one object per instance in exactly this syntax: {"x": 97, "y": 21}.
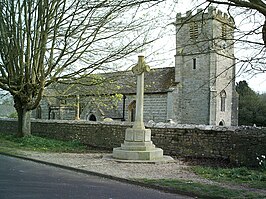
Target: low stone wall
{"x": 240, "y": 145}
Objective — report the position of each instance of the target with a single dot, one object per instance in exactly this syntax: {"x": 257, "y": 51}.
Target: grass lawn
{"x": 203, "y": 190}
{"x": 250, "y": 178}
{"x": 34, "y": 143}
{"x": 244, "y": 176}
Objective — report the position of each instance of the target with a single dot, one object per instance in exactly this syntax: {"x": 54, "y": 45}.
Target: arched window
{"x": 223, "y": 98}
{"x": 92, "y": 117}
{"x": 39, "y": 112}
{"x": 53, "y": 115}
{"x": 221, "y": 123}
{"x": 132, "y": 111}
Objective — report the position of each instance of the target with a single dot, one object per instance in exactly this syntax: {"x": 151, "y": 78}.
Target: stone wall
{"x": 240, "y": 145}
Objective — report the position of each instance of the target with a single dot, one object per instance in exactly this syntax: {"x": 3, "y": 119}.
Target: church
{"x": 200, "y": 89}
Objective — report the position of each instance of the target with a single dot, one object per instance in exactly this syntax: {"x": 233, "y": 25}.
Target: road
{"x": 22, "y": 179}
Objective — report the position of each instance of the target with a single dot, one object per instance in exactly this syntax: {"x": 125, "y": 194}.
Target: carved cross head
{"x": 141, "y": 66}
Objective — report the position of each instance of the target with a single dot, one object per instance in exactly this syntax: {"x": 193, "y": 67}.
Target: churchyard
{"x": 241, "y": 150}
{"x": 212, "y": 179}
{"x": 217, "y": 159}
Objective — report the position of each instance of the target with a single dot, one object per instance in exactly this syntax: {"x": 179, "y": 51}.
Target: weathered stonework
{"x": 205, "y": 67}
{"x": 239, "y": 145}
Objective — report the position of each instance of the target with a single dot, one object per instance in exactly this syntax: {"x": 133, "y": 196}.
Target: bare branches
{"x": 253, "y": 4}
{"x": 250, "y": 34}
{"x": 256, "y": 5}
{"x": 44, "y": 41}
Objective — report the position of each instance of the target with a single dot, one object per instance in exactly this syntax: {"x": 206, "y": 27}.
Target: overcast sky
{"x": 167, "y": 44}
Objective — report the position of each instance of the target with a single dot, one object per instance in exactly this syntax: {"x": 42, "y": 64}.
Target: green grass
{"x": 35, "y": 143}
{"x": 202, "y": 190}
{"x": 253, "y": 178}
{"x": 231, "y": 176}
{"x": 242, "y": 175}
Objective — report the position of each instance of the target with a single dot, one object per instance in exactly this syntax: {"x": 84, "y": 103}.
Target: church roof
{"x": 158, "y": 80}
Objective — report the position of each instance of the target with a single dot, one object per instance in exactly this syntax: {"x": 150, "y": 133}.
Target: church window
{"x": 92, "y": 117}
{"x": 193, "y": 30}
{"x": 39, "y": 112}
{"x": 223, "y": 97}
{"x": 53, "y": 115}
{"x": 224, "y": 31}
{"x": 221, "y": 123}
{"x": 194, "y": 63}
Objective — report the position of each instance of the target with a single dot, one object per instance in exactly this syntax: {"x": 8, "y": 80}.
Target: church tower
{"x": 205, "y": 69}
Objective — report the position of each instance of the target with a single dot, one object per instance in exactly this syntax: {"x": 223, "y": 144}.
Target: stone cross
{"x": 137, "y": 145}
{"x": 139, "y": 70}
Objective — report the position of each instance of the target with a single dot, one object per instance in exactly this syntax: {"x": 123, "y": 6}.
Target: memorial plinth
{"x": 137, "y": 144}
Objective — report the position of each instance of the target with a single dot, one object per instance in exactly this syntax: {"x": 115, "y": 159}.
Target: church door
{"x": 132, "y": 111}
{"x": 92, "y": 117}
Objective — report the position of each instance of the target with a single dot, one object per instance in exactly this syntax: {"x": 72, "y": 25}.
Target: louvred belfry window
{"x": 193, "y": 30}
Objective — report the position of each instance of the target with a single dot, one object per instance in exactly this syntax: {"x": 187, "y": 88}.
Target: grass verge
{"x": 35, "y": 143}
{"x": 242, "y": 175}
{"x": 202, "y": 190}
{"x": 11, "y": 144}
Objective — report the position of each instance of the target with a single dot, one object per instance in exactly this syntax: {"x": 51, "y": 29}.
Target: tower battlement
{"x": 201, "y": 14}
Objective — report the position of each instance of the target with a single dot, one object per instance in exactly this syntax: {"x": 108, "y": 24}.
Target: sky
{"x": 166, "y": 46}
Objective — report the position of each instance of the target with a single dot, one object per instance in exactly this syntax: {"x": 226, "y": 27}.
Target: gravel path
{"x": 95, "y": 162}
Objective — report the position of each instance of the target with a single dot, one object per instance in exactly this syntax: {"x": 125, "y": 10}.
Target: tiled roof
{"x": 158, "y": 80}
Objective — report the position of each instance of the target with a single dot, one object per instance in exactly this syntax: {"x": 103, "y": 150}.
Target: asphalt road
{"x": 21, "y": 179}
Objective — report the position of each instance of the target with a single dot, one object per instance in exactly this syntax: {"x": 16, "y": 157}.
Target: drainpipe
{"x": 49, "y": 113}
{"x": 124, "y": 107}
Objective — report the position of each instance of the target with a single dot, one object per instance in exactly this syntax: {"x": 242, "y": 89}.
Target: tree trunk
{"x": 24, "y": 122}
{"x": 264, "y": 33}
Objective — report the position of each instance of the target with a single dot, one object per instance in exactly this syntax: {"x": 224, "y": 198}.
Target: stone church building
{"x": 200, "y": 89}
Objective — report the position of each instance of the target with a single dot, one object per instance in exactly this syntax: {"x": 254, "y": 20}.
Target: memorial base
{"x": 122, "y": 154}
{"x": 138, "y": 146}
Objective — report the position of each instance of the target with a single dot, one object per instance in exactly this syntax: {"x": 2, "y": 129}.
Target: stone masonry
{"x": 205, "y": 68}
{"x": 239, "y": 145}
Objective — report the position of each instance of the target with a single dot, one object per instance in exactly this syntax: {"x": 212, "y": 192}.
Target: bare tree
{"x": 257, "y": 5}
{"x": 46, "y": 41}
{"x": 251, "y": 38}
{"x": 249, "y": 33}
